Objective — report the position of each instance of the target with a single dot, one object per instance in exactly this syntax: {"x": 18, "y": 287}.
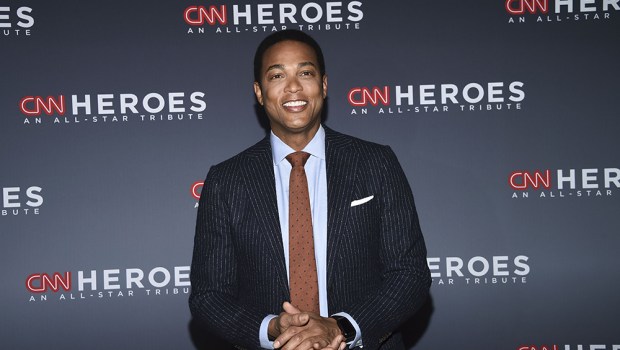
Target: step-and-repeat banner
{"x": 504, "y": 115}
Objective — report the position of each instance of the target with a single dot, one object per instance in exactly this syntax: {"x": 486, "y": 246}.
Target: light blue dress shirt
{"x": 316, "y": 173}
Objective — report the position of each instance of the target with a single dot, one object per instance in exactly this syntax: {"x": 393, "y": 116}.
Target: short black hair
{"x": 286, "y": 35}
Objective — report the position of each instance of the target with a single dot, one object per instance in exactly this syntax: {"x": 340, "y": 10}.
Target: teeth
{"x": 295, "y": 103}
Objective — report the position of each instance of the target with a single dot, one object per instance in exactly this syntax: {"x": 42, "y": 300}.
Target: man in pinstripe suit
{"x": 369, "y": 250}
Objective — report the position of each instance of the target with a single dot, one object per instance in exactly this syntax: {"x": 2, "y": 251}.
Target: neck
{"x": 298, "y": 141}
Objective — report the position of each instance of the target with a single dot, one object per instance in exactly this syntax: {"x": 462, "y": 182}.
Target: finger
{"x": 289, "y": 340}
{"x": 290, "y": 308}
{"x": 317, "y": 346}
{"x": 336, "y": 344}
{"x": 296, "y": 338}
{"x": 298, "y": 320}
{"x": 284, "y": 339}
{"x": 306, "y": 344}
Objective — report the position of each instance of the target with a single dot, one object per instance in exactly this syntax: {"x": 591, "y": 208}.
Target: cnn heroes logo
{"x": 545, "y": 11}
{"x": 564, "y": 183}
{"x": 16, "y": 21}
{"x": 20, "y": 201}
{"x": 479, "y": 270}
{"x": 260, "y": 18}
{"x": 112, "y": 108}
{"x": 436, "y": 98}
{"x": 107, "y": 284}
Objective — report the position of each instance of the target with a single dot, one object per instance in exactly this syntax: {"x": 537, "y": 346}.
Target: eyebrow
{"x": 281, "y": 66}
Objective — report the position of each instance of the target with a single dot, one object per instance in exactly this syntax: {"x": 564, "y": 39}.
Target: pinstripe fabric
{"x": 376, "y": 258}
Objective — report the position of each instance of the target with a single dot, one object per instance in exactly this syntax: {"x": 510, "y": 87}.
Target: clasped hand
{"x": 296, "y": 330}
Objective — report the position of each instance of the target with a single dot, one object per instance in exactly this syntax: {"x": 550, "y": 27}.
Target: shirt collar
{"x": 316, "y": 146}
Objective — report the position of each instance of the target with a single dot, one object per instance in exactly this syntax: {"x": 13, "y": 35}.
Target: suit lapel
{"x": 260, "y": 183}
{"x": 341, "y": 167}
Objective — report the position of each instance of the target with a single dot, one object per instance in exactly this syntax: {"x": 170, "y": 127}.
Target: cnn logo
{"x": 363, "y": 96}
{"x": 43, "y": 282}
{"x": 35, "y": 105}
{"x": 519, "y": 7}
{"x": 521, "y": 180}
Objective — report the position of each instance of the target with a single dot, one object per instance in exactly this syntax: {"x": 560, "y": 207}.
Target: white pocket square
{"x": 361, "y": 201}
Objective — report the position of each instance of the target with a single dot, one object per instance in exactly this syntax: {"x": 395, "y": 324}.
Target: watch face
{"x": 346, "y": 327}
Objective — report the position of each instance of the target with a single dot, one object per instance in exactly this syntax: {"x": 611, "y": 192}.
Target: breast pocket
{"x": 365, "y": 216}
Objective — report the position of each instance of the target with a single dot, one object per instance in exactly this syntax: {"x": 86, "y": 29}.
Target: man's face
{"x": 291, "y": 89}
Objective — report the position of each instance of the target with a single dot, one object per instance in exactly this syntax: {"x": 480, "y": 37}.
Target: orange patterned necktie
{"x": 303, "y": 278}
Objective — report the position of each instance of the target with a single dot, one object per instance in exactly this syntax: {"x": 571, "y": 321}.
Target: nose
{"x": 292, "y": 85}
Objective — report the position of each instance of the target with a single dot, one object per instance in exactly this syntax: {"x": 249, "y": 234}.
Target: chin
{"x": 296, "y": 125}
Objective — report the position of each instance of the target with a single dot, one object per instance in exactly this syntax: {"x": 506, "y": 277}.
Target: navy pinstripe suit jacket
{"x": 376, "y": 257}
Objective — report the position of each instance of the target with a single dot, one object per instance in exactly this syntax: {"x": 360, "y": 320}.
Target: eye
{"x": 276, "y": 76}
{"x": 307, "y": 73}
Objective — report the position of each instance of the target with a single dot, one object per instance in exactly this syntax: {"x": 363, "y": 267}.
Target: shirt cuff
{"x": 263, "y": 333}
{"x": 358, "y": 333}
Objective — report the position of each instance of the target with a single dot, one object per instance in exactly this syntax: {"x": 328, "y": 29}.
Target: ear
{"x": 258, "y": 93}
{"x": 324, "y": 85}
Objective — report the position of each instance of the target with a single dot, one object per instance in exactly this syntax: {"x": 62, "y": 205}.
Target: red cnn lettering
{"x": 32, "y": 105}
{"x": 196, "y": 189}
{"x": 543, "y": 347}
{"x": 521, "y": 180}
{"x": 362, "y": 96}
{"x": 532, "y": 6}
{"x": 198, "y": 15}
{"x": 41, "y": 282}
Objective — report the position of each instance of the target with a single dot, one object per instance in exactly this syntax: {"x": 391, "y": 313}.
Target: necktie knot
{"x": 298, "y": 158}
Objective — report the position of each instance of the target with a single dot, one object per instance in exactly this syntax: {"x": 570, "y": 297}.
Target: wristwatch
{"x": 347, "y": 329}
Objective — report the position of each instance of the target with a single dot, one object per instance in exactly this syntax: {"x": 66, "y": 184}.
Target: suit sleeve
{"x": 404, "y": 271}
{"x": 214, "y": 269}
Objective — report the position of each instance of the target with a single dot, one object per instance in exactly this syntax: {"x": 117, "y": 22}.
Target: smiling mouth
{"x": 293, "y": 104}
